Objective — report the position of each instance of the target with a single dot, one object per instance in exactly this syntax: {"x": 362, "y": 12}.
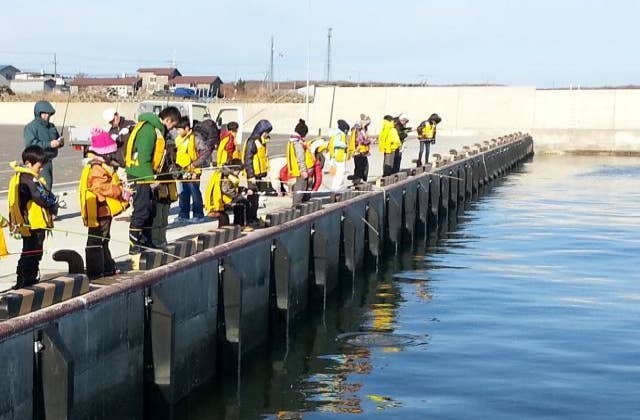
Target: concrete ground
{"x": 70, "y": 233}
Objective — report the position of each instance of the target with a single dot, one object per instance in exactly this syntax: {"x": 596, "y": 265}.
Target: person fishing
{"x": 144, "y": 159}
{"x": 31, "y": 210}
{"x": 102, "y": 197}
{"x": 300, "y": 163}
{"x": 255, "y": 159}
{"x": 427, "y": 136}
{"x": 43, "y": 133}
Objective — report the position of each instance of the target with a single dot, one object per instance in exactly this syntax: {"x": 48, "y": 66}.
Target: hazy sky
{"x": 543, "y": 42}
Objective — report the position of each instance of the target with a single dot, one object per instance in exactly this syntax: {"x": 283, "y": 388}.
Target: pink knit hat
{"x": 101, "y": 142}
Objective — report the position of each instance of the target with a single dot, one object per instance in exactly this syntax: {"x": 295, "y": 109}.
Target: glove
{"x": 126, "y": 194}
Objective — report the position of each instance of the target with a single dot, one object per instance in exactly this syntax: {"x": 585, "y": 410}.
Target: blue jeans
{"x": 190, "y": 200}
{"x": 425, "y": 147}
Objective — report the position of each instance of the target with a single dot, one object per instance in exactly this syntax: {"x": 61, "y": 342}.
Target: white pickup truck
{"x": 80, "y": 137}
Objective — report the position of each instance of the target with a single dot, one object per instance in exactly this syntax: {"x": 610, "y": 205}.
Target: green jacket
{"x": 40, "y": 132}
{"x": 145, "y": 142}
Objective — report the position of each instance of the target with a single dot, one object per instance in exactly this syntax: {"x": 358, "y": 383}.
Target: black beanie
{"x": 343, "y": 126}
{"x": 302, "y": 128}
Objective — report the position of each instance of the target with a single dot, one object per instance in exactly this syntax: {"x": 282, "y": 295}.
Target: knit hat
{"x": 101, "y": 142}
{"x": 364, "y": 120}
{"x": 343, "y": 126}
{"x": 109, "y": 114}
{"x": 302, "y": 128}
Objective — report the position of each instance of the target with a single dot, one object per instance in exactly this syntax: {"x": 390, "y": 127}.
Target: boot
{"x": 135, "y": 241}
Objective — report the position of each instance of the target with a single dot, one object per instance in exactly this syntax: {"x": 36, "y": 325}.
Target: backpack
{"x": 209, "y": 132}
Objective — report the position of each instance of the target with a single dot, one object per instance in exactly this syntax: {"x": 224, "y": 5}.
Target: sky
{"x": 543, "y": 43}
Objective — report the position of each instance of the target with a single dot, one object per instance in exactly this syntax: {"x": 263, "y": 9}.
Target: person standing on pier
{"x": 186, "y": 154}
{"x": 360, "y": 143}
{"x": 255, "y": 159}
{"x": 389, "y": 144}
{"x": 227, "y": 149}
{"x": 427, "y": 136}
{"x": 144, "y": 158}
{"x": 338, "y": 153}
{"x": 31, "y": 210}
{"x": 119, "y": 128}
{"x": 102, "y": 197}
{"x": 300, "y": 163}
{"x": 41, "y": 132}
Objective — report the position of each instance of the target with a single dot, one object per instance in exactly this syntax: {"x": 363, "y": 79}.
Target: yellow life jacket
{"x": 389, "y": 139}
{"x": 159, "y": 149}
{"x": 3, "y": 243}
{"x": 260, "y": 159}
{"x": 89, "y": 200}
{"x": 384, "y": 133}
{"x": 222, "y": 157}
{"x": 351, "y": 145}
{"x": 214, "y": 199}
{"x": 338, "y": 154}
{"x": 292, "y": 159}
{"x": 186, "y": 152}
{"x": 37, "y": 217}
{"x": 429, "y": 132}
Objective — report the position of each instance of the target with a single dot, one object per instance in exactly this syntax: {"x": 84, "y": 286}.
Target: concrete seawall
{"x": 155, "y": 337}
{"x": 561, "y": 120}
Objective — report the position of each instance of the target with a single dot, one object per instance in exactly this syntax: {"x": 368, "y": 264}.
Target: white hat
{"x": 108, "y": 114}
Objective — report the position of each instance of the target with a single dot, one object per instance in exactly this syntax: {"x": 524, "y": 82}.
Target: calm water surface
{"x": 529, "y": 308}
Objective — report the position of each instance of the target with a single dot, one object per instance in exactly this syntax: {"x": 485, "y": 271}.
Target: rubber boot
{"x": 135, "y": 237}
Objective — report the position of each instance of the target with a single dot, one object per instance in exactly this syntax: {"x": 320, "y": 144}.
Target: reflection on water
{"x": 530, "y": 308}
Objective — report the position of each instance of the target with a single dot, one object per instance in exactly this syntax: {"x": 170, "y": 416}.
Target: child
{"x": 31, "y": 207}
{"x": 227, "y": 149}
{"x": 338, "y": 154}
{"x": 300, "y": 163}
{"x": 102, "y": 196}
{"x": 223, "y": 191}
{"x": 427, "y": 136}
{"x": 186, "y": 154}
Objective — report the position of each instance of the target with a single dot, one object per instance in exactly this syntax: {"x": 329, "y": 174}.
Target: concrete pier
{"x": 155, "y": 336}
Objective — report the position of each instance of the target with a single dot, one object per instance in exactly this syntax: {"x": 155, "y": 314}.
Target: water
{"x": 529, "y": 308}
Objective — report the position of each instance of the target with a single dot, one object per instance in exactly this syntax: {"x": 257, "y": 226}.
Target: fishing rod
{"x": 88, "y": 235}
{"x": 64, "y": 119}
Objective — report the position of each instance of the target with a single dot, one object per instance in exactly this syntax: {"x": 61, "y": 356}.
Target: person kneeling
{"x": 225, "y": 192}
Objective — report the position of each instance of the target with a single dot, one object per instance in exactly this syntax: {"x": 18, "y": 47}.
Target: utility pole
{"x": 271, "y": 64}
{"x": 329, "y": 55}
{"x": 55, "y": 65}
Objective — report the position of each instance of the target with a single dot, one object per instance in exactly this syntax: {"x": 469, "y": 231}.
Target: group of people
{"x": 159, "y": 173}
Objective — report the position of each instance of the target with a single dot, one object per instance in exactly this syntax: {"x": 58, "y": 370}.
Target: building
{"x": 157, "y": 78}
{"x": 41, "y": 85}
{"x": 7, "y": 74}
{"x": 204, "y": 86}
{"x": 110, "y": 86}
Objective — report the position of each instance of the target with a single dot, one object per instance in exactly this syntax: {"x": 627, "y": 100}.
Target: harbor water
{"x": 527, "y": 308}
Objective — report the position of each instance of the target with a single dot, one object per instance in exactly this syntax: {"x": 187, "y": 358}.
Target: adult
{"x": 41, "y": 132}
{"x": 145, "y": 158}
{"x": 389, "y": 143}
{"x": 120, "y": 130}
